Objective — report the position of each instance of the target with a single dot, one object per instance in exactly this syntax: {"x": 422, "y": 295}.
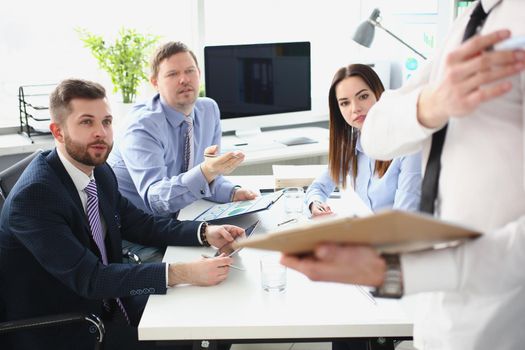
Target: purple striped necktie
{"x": 188, "y": 144}
{"x": 96, "y": 230}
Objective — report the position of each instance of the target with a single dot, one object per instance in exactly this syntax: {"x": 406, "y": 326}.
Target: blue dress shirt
{"x": 398, "y": 188}
{"x": 148, "y": 159}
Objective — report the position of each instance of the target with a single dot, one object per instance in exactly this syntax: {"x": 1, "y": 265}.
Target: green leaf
{"x": 126, "y": 60}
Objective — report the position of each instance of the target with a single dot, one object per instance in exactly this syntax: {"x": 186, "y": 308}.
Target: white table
{"x": 265, "y": 148}
{"x": 240, "y": 310}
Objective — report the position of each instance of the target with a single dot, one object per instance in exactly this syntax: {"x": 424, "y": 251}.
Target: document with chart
{"x": 233, "y": 209}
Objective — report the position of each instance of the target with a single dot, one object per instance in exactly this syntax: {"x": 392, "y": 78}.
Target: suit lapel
{"x": 113, "y": 241}
{"x": 54, "y": 161}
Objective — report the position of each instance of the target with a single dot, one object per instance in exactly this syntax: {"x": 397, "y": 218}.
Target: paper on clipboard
{"x": 390, "y": 231}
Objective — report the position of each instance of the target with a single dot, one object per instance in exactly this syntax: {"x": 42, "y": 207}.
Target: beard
{"x": 80, "y": 153}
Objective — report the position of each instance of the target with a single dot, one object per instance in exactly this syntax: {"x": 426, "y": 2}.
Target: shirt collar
{"x": 358, "y": 145}
{"x": 80, "y": 179}
{"x": 174, "y": 117}
{"x": 488, "y": 5}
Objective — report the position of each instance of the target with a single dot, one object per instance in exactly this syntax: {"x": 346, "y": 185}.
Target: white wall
{"x": 38, "y": 43}
{"x": 328, "y": 25}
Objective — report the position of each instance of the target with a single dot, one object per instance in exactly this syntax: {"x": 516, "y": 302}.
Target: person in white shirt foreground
{"x": 479, "y": 92}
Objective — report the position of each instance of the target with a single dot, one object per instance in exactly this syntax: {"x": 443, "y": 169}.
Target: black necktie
{"x": 429, "y": 187}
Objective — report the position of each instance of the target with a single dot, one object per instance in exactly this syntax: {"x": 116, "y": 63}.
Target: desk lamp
{"x": 364, "y": 34}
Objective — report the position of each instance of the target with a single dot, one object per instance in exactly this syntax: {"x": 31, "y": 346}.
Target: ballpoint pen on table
{"x": 366, "y": 293}
{"x": 287, "y": 221}
{"x": 232, "y": 266}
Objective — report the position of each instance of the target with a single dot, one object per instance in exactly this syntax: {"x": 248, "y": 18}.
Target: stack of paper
{"x": 296, "y": 175}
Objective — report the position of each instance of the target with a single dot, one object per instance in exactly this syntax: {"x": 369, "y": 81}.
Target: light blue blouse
{"x": 398, "y": 188}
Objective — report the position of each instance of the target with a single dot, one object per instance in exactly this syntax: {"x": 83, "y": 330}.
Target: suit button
{"x": 133, "y": 292}
{"x": 152, "y": 290}
{"x": 202, "y": 191}
{"x": 145, "y": 291}
{"x": 139, "y": 291}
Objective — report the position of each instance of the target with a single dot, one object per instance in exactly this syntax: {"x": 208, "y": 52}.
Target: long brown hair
{"x": 343, "y": 137}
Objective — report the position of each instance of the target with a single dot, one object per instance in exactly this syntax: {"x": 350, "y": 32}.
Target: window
{"x": 39, "y": 44}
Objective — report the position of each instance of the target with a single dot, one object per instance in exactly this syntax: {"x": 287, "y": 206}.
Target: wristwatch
{"x": 202, "y": 234}
{"x": 392, "y": 286}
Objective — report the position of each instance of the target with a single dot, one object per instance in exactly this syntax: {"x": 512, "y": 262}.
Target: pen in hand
{"x": 232, "y": 266}
{"x": 319, "y": 206}
{"x": 207, "y": 155}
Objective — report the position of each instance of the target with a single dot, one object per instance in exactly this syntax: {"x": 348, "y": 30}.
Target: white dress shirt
{"x": 482, "y": 299}
{"x": 80, "y": 180}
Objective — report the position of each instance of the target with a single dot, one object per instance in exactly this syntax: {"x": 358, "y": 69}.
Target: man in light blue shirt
{"x": 160, "y": 160}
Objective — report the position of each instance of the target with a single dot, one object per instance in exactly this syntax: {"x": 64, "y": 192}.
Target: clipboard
{"x": 390, "y": 231}
{"x": 234, "y": 209}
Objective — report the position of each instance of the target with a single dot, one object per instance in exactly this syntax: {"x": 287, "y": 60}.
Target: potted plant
{"x": 125, "y": 61}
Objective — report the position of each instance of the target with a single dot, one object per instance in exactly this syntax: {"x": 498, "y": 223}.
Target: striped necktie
{"x": 188, "y": 144}
{"x": 97, "y": 233}
{"x": 429, "y": 186}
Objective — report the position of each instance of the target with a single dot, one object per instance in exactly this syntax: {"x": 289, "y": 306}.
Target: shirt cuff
{"x": 167, "y": 271}
{"x": 199, "y": 233}
{"x": 196, "y": 182}
{"x": 234, "y": 189}
{"x": 417, "y": 269}
{"x": 314, "y": 198}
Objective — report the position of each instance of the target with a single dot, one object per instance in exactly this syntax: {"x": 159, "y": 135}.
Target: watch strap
{"x": 392, "y": 286}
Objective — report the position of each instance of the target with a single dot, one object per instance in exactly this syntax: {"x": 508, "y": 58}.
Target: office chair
{"x": 8, "y": 179}
{"x": 95, "y": 324}
{"x": 9, "y": 176}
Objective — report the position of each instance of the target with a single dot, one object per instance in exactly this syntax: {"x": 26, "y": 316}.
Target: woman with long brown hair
{"x": 380, "y": 184}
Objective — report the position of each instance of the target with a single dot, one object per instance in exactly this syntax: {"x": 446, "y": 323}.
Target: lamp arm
{"x": 377, "y": 24}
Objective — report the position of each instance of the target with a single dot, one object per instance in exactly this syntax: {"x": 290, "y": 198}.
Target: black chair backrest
{"x": 9, "y": 176}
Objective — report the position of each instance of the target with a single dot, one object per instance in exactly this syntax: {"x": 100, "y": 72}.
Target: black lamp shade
{"x": 364, "y": 35}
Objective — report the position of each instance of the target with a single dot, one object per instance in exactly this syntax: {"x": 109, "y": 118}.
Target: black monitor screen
{"x": 259, "y": 79}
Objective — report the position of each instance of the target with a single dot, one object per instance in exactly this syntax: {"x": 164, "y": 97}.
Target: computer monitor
{"x": 259, "y": 81}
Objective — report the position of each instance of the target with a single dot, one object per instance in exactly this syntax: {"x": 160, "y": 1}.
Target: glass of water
{"x": 293, "y": 200}
{"x": 273, "y": 274}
